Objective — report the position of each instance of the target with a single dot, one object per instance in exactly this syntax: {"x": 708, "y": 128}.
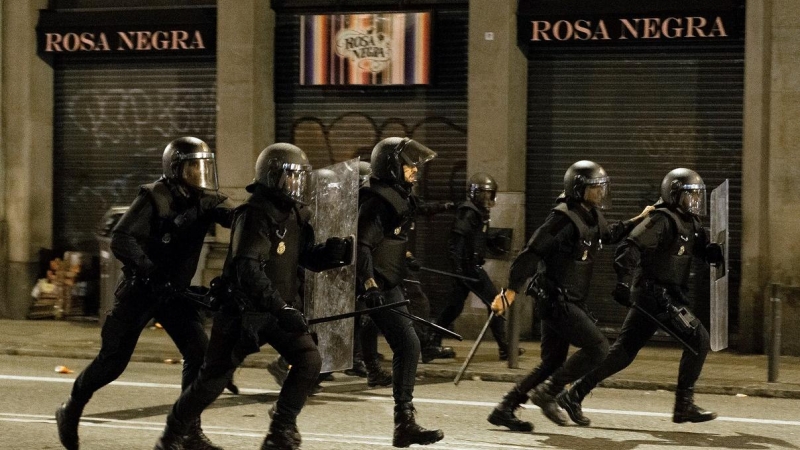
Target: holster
{"x": 672, "y": 310}
{"x": 549, "y": 300}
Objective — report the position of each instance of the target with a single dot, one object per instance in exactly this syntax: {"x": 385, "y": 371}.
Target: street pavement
{"x": 656, "y": 367}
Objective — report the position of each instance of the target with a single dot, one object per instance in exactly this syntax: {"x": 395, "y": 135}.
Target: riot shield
{"x": 719, "y": 274}
{"x": 334, "y": 204}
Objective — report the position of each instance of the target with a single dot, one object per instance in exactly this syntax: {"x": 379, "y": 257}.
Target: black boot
{"x": 197, "y": 440}
{"x": 544, "y": 396}
{"x": 358, "y": 369}
{"x": 170, "y": 440}
{"x": 433, "y": 349}
{"x": 406, "y": 430}
{"x": 570, "y": 401}
{"x": 502, "y": 352}
{"x": 376, "y": 376}
{"x": 68, "y": 416}
{"x": 503, "y": 413}
{"x": 279, "y": 369}
{"x": 686, "y": 411}
{"x": 282, "y": 435}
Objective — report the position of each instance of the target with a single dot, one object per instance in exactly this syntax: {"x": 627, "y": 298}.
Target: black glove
{"x": 340, "y": 249}
{"x": 714, "y": 253}
{"x": 412, "y": 264}
{"x": 373, "y": 298}
{"x": 622, "y": 294}
{"x": 291, "y": 320}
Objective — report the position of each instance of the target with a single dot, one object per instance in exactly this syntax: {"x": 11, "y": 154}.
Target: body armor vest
{"x": 389, "y": 257}
{"x": 572, "y": 271}
{"x": 672, "y": 264}
{"x": 178, "y": 230}
{"x": 477, "y": 239}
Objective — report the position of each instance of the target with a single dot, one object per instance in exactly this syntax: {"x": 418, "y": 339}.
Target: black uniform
{"x": 561, "y": 253}
{"x": 467, "y": 252}
{"x": 655, "y": 261}
{"x": 385, "y": 215}
{"x": 159, "y": 240}
{"x": 270, "y": 238}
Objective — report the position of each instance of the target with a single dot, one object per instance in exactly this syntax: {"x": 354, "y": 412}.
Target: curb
{"x": 442, "y": 373}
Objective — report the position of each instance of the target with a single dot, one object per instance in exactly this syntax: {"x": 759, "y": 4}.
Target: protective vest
{"x": 389, "y": 257}
{"x": 178, "y": 229}
{"x": 478, "y": 233}
{"x": 572, "y": 270}
{"x": 672, "y": 263}
{"x": 280, "y": 256}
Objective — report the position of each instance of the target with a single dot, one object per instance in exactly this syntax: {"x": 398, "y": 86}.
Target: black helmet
{"x": 364, "y": 172}
{"x": 685, "y": 190}
{"x": 190, "y": 161}
{"x": 284, "y": 168}
{"x": 482, "y": 190}
{"x": 584, "y": 174}
{"x": 391, "y": 154}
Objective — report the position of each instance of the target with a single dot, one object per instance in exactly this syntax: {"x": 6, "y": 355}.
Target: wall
{"x": 27, "y": 148}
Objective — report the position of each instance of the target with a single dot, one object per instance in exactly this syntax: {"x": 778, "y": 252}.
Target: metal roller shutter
{"x": 112, "y": 122}
{"x": 639, "y": 112}
{"x": 334, "y": 123}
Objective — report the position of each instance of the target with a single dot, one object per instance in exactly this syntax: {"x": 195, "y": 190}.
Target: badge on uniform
{"x": 166, "y": 238}
{"x": 681, "y": 250}
{"x": 397, "y": 231}
{"x": 281, "y": 248}
{"x": 585, "y": 255}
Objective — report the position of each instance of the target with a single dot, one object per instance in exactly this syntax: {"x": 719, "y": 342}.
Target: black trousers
{"x": 637, "y": 329}
{"x": 571, "y": 325}
{"x": 231, "y": 341}
{"x": 133, "y": 308}
{"x": 486, "y": 291}
{"x": 403, "y": 340}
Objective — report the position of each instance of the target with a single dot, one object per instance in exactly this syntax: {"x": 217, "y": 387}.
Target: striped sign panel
{"x": 364, "y": 49}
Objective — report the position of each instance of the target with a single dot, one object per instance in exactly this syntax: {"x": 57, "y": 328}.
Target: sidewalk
{"x": 656, "y": 367}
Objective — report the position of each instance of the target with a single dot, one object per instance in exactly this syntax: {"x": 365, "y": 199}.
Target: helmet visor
{"x": 412, "y": 153}
{"x": 693, "y": 199}
{"x": 598, "y": 193}
{"x": 199, "y": 170}
{"x": 295, "y": 181}
{"x": 484, "y": 198}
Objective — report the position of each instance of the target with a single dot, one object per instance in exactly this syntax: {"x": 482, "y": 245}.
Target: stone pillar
{"x": 497, "y": 112}
{"x": 245, "y": 105}
{"x": 27, "y": 150}
{"x": 755, "y": 176}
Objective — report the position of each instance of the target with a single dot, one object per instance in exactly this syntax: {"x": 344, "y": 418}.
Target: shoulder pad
{"x": 160, "y": 195}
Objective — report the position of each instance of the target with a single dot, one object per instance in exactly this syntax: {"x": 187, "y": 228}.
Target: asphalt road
{"x": 129, "y": 414}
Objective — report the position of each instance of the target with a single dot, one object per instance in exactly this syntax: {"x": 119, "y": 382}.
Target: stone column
{"x": 245, "y": 101}
{"x": 497, "y": 112}
{"x": 27, "y": 152}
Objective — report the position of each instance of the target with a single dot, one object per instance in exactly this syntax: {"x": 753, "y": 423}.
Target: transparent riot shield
{"x": 334, "y": 204}
{"x": 719, "y": 274}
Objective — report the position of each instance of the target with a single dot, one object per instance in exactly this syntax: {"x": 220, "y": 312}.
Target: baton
{"x": 665, "y": 328}
{"x": 448, "y": 274}
{"x": 480, "y": 338}
{"x": 473, "y": 350}
{"x": 348, "y": 315}
{"x": 439, "y": 329}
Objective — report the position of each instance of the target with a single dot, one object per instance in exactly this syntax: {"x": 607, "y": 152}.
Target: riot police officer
{"x": 466, "y": 251}
{"x": 158, "y": 240}
{"x": 653, "y": 266}
{"x": 560, "y": 256}
{"x": 270, "y": 237}
{"x": 385, "y": 215}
